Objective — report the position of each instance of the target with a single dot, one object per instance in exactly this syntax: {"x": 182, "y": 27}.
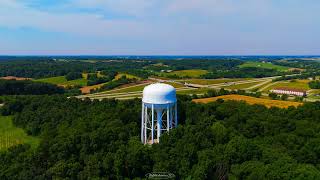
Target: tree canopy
{"x": 100, "y": 139}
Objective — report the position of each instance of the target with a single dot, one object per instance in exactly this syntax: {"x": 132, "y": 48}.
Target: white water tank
{"x": 159, "y": 93}
{"x": 159, "y": 112}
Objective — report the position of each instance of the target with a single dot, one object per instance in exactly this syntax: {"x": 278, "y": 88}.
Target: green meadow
{"x": 265, "y": 65}
{"x": 11, "y": 135}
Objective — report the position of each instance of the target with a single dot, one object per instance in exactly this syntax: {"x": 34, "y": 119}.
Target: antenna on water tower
{"x": 159, "y": 112}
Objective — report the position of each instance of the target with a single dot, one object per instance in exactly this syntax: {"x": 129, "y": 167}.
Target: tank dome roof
{"x": 159, "y": 93}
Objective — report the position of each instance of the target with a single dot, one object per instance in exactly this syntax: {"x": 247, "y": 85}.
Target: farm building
{"x": 289, "y": 91}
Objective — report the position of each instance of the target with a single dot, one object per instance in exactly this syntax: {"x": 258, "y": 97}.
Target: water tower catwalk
{"x": 159, "y": 112}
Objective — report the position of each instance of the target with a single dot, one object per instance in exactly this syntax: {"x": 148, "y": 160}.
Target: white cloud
{"x": 14, "y": 14}
{"x": 164, "y": 26}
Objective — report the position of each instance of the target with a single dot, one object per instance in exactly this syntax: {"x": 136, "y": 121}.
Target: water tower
{"x": 159, "y": 112}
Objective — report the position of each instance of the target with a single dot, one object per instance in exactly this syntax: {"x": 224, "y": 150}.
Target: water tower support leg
{"x": 176, "y": 115}
{"x": 159, "y": 121}
{"x": 142, "y": 124}
{"x": 146, "y": 120}
{"x": 168, "y": 118}
{"x": 152, "y": 128}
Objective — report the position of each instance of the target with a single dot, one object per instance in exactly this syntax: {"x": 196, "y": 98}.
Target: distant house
{"x": 289, "y": 91}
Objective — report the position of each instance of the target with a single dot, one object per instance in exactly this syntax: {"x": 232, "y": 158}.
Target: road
{"x": 137, "y": 94}
{"x": 126, "y": 95}
{"x": 188, "y": 87}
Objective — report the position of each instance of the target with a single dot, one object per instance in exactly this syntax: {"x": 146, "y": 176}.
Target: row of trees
{"x": 248, "y": 72}
{"x": 220, "y": 140}
{"x": 47, "y": 67}
{"x": 106, "y": 76}
{"x": 116, "y": 83}
{"x": 314, "y": 84}
{"x": 73, "y": 75}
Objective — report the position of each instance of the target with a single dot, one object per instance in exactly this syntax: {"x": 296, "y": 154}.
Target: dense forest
{"x": 221, "y": 140}
{"x": 314, "y": 84}
{"x": 72, "y": 69}
{"x": 13, "y": 87}
{"x": 52, "y": 68}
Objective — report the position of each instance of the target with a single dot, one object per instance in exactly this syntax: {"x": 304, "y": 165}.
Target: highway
{"x": 188, "y": 87}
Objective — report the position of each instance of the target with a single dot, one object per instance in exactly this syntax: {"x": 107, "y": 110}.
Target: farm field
{"x": 61, "y": 80}
{"x": 264, "y": 65}
{"x": 211, "y": 81}
{"x": 251, "y": 100}
{"x": 298, "y": 84}
{"x": 193, "y": 73}
{"x": 11, "y": 136}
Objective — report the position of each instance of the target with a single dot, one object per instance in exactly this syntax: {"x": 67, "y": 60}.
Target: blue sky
{"x": 159, "y": 27}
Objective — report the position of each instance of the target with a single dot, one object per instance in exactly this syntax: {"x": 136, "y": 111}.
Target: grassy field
{"x": 194, "y": 73}
{"x": 11, "y": 136}
{"x": 193, "y": 91}
{"x": 314, "y": 94}
{"x": 76, "y": 82}
{"x": 210, "y": 81}
{"x": 298, "y": 84}
{"x": 53, "y": 80}
{"x": 61, "y": 80}
{"x": 241, "y": 86}
{"x": 251, "y": 100}
{"x": 264, "y": 65}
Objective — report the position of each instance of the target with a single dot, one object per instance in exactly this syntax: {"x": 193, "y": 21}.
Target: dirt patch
{"x": 15, "y": 78}
{"x": 87, "y": 89}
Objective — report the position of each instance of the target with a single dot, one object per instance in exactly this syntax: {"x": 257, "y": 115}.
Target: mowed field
{"x": 264, "y": 65}
{"x": 298, "y": 84}
{"x": 193, "y": 73}
{"x": 251, "y": 100}
{"x": 11, "y": 136}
